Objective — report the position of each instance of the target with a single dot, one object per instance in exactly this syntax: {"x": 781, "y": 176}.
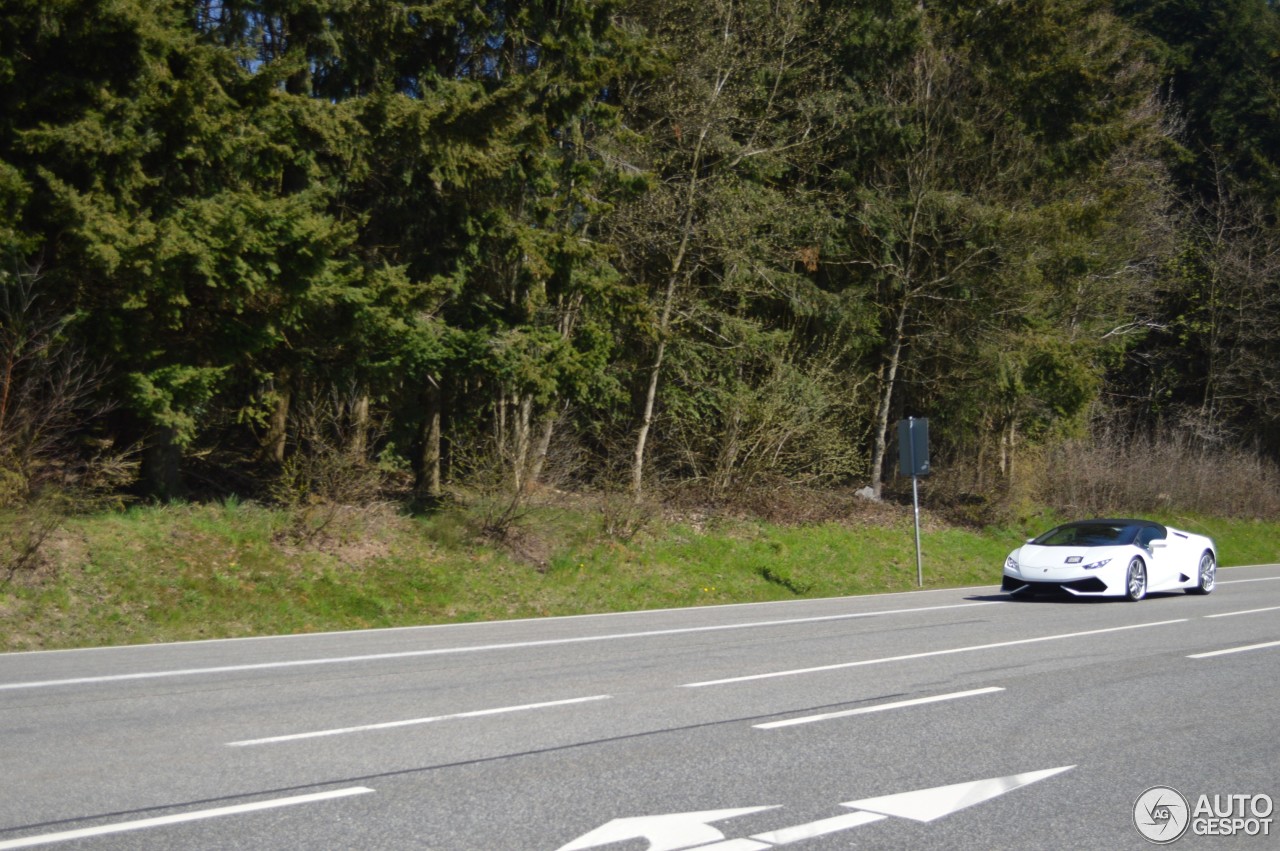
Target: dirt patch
{"x": 785, "y": 506}
{"x": 527, "y": 547}
{"x": 354, "y": 535}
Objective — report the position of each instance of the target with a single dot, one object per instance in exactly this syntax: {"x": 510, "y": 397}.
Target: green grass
{"x": 152, "y": 574}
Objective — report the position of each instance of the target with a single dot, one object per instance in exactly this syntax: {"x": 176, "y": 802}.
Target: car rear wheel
{"x": 1208, "y": 575}
{"x": 1135, "y": 582}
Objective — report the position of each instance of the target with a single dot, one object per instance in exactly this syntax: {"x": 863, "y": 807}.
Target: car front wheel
{"x": 1208, "y": 575}
{"x": 1135, "y": 583}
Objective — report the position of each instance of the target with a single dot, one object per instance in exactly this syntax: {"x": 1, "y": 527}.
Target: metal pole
{"x": 915, "y": 499}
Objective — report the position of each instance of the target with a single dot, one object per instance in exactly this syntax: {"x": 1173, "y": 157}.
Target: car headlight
{"x": 1097, "y": 564}
{"x": 1011, "y": 563}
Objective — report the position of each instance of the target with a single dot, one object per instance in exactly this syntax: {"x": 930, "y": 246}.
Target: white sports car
{"x": 1112, "y": 558}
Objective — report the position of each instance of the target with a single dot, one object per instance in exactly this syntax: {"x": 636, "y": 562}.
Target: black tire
{"x": 1207, "y": 578}
{"x": 1135, "y": 581}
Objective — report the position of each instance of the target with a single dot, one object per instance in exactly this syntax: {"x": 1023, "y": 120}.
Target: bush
{"x": 48, "y": 404}
{"x": 1187, "y": 468}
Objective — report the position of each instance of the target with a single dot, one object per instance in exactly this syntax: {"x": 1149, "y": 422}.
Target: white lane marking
{"x": 387, "y": 725}
{"x": 1245, "y": 612}
{"x": 680, "y": 831}
{"x": 928, "y": 805}
{"x": 441, "y": 651}
{"x": 664, "y": 833}
{"x": 1238, "y": 581}
{"x": 879, "y": 707}
{"x": 800, "y": 832}
{"x": 1234, "y": 650}
{"x": 303, "y": 636}
{"x": 926, "y": 654}
{"x": 120, "y": 827}
{"x": 590, "y": 616}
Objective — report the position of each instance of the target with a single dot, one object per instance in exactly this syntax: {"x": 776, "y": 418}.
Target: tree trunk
{"x": 161, "y": 461}
{"x": 520, "y": 441}
{"x": 542, "y": 448}
{"x": 427, "y": 469}
{"x": 727, "y": 461}
{"x": 664, "y": 321}
{"x": 651, "y": 394}
{"x": 359, "y": 444}
{"x": 881, "y": 442}
{"x": 275, "y": 440}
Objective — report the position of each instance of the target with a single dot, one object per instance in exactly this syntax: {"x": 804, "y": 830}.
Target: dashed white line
{"x": 909, "y": 656}
{"x": 1234, "y": 650}
{"x": 441, "y": 651}
{"x": 121, "y": 827}
{"x": 387, "y": 725}
{"x": 879, "y": 707}
{"x": 1245, "y": 612}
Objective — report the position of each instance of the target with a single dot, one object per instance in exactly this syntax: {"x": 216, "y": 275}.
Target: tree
{"x": 729, "y": 136}
{"x": 1001, "y": 214}
{"x": 1222, "y": 71}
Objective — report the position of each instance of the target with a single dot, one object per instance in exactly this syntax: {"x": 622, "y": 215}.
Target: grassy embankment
{"x": 209, "y": 571}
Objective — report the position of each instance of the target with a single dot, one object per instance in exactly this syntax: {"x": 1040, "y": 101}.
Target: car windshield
{"x": 1089, "y": 535}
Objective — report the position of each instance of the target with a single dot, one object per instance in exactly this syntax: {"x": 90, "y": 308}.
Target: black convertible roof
{"x": 1116, "y": 521}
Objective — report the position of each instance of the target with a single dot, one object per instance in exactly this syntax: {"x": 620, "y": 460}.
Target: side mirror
{"x": 1159, "y": 545}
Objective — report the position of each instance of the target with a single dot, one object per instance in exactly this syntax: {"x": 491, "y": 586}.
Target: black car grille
{"x": 1090, "y": 585}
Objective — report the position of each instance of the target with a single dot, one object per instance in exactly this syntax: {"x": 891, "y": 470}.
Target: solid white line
{"x": 880, "y": 707}
{"x": 515, "y": 645}
{"x": 1234, "y": 650}
{"x": 29, "y": 841}
{"x": 387, "y": 725}
{"x": 302, "y": 636}
{"x": 926, "y": 654}
{"x": 1245, "y": 612}
{"x": 1238, "y": 581}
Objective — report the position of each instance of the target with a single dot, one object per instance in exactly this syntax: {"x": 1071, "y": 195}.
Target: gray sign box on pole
{"x": 913, "y": 447}
{"x": 913, "y": 461}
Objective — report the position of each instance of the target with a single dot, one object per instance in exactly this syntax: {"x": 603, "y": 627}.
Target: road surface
{"x": 957, "y": 719}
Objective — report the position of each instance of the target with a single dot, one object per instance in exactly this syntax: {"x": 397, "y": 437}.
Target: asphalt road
{"x": 1019, "y": 725}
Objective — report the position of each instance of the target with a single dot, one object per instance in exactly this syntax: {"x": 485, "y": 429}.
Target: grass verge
{"x": 172, "y": 573}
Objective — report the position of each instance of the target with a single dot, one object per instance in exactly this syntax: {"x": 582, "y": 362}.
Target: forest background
{"x": 324, "y": 254}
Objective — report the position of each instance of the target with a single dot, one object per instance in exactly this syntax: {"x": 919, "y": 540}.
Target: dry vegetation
{"x": 1115, "y": 474}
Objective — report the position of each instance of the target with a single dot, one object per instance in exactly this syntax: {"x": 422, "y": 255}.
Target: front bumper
{"x": 1088, "y": 585}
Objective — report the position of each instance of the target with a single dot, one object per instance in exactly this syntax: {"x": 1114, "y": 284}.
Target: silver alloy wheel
{"x": 1136, "y": 580}
{"x": 1208, "y": 575}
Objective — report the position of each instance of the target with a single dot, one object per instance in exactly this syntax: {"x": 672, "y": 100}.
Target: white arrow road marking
{"x": 929, "y": 804}
{"x": 665, "y": 833}
{"x": 787, "y": 835}
{"x": 120, "y": 827}
{"x": 685, "y": 830}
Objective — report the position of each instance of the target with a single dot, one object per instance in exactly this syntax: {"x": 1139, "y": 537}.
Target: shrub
{"x": 1186, "y": 468}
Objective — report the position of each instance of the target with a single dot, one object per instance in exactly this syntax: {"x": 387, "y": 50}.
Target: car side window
{"x": 1149, "y": 534}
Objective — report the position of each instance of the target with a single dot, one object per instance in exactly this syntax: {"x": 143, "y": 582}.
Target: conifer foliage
{"x": 724, "y": 242}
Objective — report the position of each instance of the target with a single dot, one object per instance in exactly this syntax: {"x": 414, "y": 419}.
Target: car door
{"x": 1161, "y": 560}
